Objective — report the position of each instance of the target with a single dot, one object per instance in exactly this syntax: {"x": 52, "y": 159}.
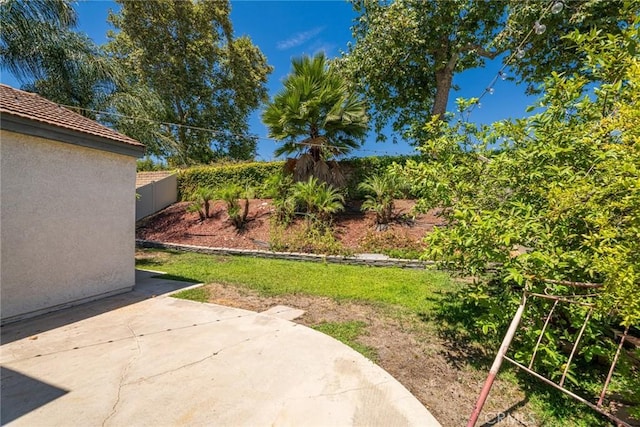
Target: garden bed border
{"x": 292, "y": 256}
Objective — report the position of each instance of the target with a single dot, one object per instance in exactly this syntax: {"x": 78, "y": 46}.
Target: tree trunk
{"x": 444, "y": 78}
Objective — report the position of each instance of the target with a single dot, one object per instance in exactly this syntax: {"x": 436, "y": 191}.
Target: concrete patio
{"x": 144, "y": 358}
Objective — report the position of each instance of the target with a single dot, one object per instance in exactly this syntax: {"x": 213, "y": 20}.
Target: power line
{"x": 216, "y": 131}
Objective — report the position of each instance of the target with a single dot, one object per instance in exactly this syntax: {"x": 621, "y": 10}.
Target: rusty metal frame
{"x": 513, "y": 327}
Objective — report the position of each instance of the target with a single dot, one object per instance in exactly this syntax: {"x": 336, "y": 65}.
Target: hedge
{"x": 254, "y": 174}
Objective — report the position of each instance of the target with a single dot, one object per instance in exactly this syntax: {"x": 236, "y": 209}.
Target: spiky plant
{"x": 318, "y": 117}
{"x": 319, "y": 199}
{"x": 201, "y": 202}
{"x": 381, "y": 191}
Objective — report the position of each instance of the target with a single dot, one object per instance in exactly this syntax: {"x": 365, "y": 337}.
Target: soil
{"x": 354, "y": 229}
{"x": 435, "y": 368}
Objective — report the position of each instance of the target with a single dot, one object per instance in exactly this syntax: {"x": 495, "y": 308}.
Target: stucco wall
{"x": 67, "y": 218}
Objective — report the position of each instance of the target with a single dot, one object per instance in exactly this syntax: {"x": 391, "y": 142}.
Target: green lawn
{"x": 415, "y": 290}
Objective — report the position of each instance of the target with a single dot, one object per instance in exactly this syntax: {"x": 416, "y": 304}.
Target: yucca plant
{"x": 201, "y": 200}
{"x": 381, "y": 191}
{"x": 231, "y": 196}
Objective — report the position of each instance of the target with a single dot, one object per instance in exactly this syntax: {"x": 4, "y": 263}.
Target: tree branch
{"x": 480, "y": 51}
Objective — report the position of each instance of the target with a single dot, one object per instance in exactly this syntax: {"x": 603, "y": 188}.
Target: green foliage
{"x": 391, "y": 243}
{"x": 279, "y": 187}
{"x": 313, "y": 238}
{"x": 201, "y": 202}
{"x": 39, "y": 46}
{"x": 182, "y": 56}
{"x": 381, "y": 191}
{"x": 559, "y": 201}
{"x": 348, "y": 333}
{"x": 407, "y": 52}
{"x": 243, "y": 174}
{"x": 319, "y": 200}
{"x": 232, "y": 195}
{"x": 148, "y": 165}
{"x": 257, "y": 174}
{"x": 199, "y": 294}
{"x": 315, "y": 114}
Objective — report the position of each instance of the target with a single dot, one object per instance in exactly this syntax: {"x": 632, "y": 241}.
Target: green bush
{"x": 358, "y": 169}
{"x": 242, "y": 174}
{"x": 257, "y": 174}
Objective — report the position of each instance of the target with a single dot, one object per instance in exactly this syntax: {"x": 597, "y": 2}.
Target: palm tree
{"x": 317, "y": 116}
{"x": 381, "y": 191}
{"x": 38, "y": 45}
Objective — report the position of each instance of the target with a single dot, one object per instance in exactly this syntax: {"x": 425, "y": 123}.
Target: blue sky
{"x": 287, "y": 29}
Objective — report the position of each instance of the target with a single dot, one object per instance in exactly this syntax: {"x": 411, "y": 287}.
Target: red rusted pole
{"x": 506, "y": 342}
{"x": 613, "y": 366}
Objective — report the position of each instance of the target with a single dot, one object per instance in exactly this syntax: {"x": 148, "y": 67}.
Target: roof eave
{"x": 44, "y": 130}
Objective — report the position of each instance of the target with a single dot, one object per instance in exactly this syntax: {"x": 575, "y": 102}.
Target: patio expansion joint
{"x": 196, "y": 362}
{"x": 125, "y": 371}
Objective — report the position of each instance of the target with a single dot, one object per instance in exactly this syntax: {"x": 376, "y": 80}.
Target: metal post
{"x": 544, "y": 328}
{"x": 497, "y": 362}
{"x": 575, "y": 347}
{"x": 613, "y": 366}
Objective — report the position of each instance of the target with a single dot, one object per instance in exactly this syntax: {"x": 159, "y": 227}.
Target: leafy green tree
{"x": 39, "y": 46}
{"x": 407, "y": 52}
{"x": 205, "y": 80}
{"x": 561, "y": 199}
{"x": 317, "y": 115}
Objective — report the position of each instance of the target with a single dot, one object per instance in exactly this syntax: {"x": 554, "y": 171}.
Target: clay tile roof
{"x": 34, "y": 107}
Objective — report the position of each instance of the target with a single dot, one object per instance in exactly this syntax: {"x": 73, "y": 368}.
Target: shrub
{"x": 279, "y": 187}
{"x": 201, "y": 200}
{"x": 253, "y": 175}
{"x": 231, "y": 195}
{"x": 380, "y": 192}
{"x": 319, "y": 200}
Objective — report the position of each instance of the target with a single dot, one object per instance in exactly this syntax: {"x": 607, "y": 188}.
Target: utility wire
{"x": 214, "y": 131}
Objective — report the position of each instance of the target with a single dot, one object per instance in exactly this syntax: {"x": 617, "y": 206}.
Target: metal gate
{"x": 506, "y": 342}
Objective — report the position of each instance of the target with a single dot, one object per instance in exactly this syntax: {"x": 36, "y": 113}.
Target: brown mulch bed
{"x": 354, "y": 229}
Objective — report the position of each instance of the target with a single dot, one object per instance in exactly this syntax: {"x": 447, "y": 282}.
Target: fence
{"x": 156, "y": 191}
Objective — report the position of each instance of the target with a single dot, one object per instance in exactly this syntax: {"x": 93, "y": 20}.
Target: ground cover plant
{"x": 402, "y": 319}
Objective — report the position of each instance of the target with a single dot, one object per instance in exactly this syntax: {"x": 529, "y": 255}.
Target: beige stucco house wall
{"x": 67, "y": 221}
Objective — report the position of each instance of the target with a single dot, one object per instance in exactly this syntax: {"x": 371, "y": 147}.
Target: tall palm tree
{"x": 317, "y": 116}
{"x": 38, "y": 46}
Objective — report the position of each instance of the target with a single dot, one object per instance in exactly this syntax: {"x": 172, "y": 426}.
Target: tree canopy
{"x": 407, "y": 52}
{"x": 40, "y": 47}
{"x": 561, "y": 198}
{"x": 184, "y": 66}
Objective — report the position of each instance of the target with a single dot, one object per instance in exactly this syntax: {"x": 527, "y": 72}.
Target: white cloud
{"x": 299, "y": 38}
